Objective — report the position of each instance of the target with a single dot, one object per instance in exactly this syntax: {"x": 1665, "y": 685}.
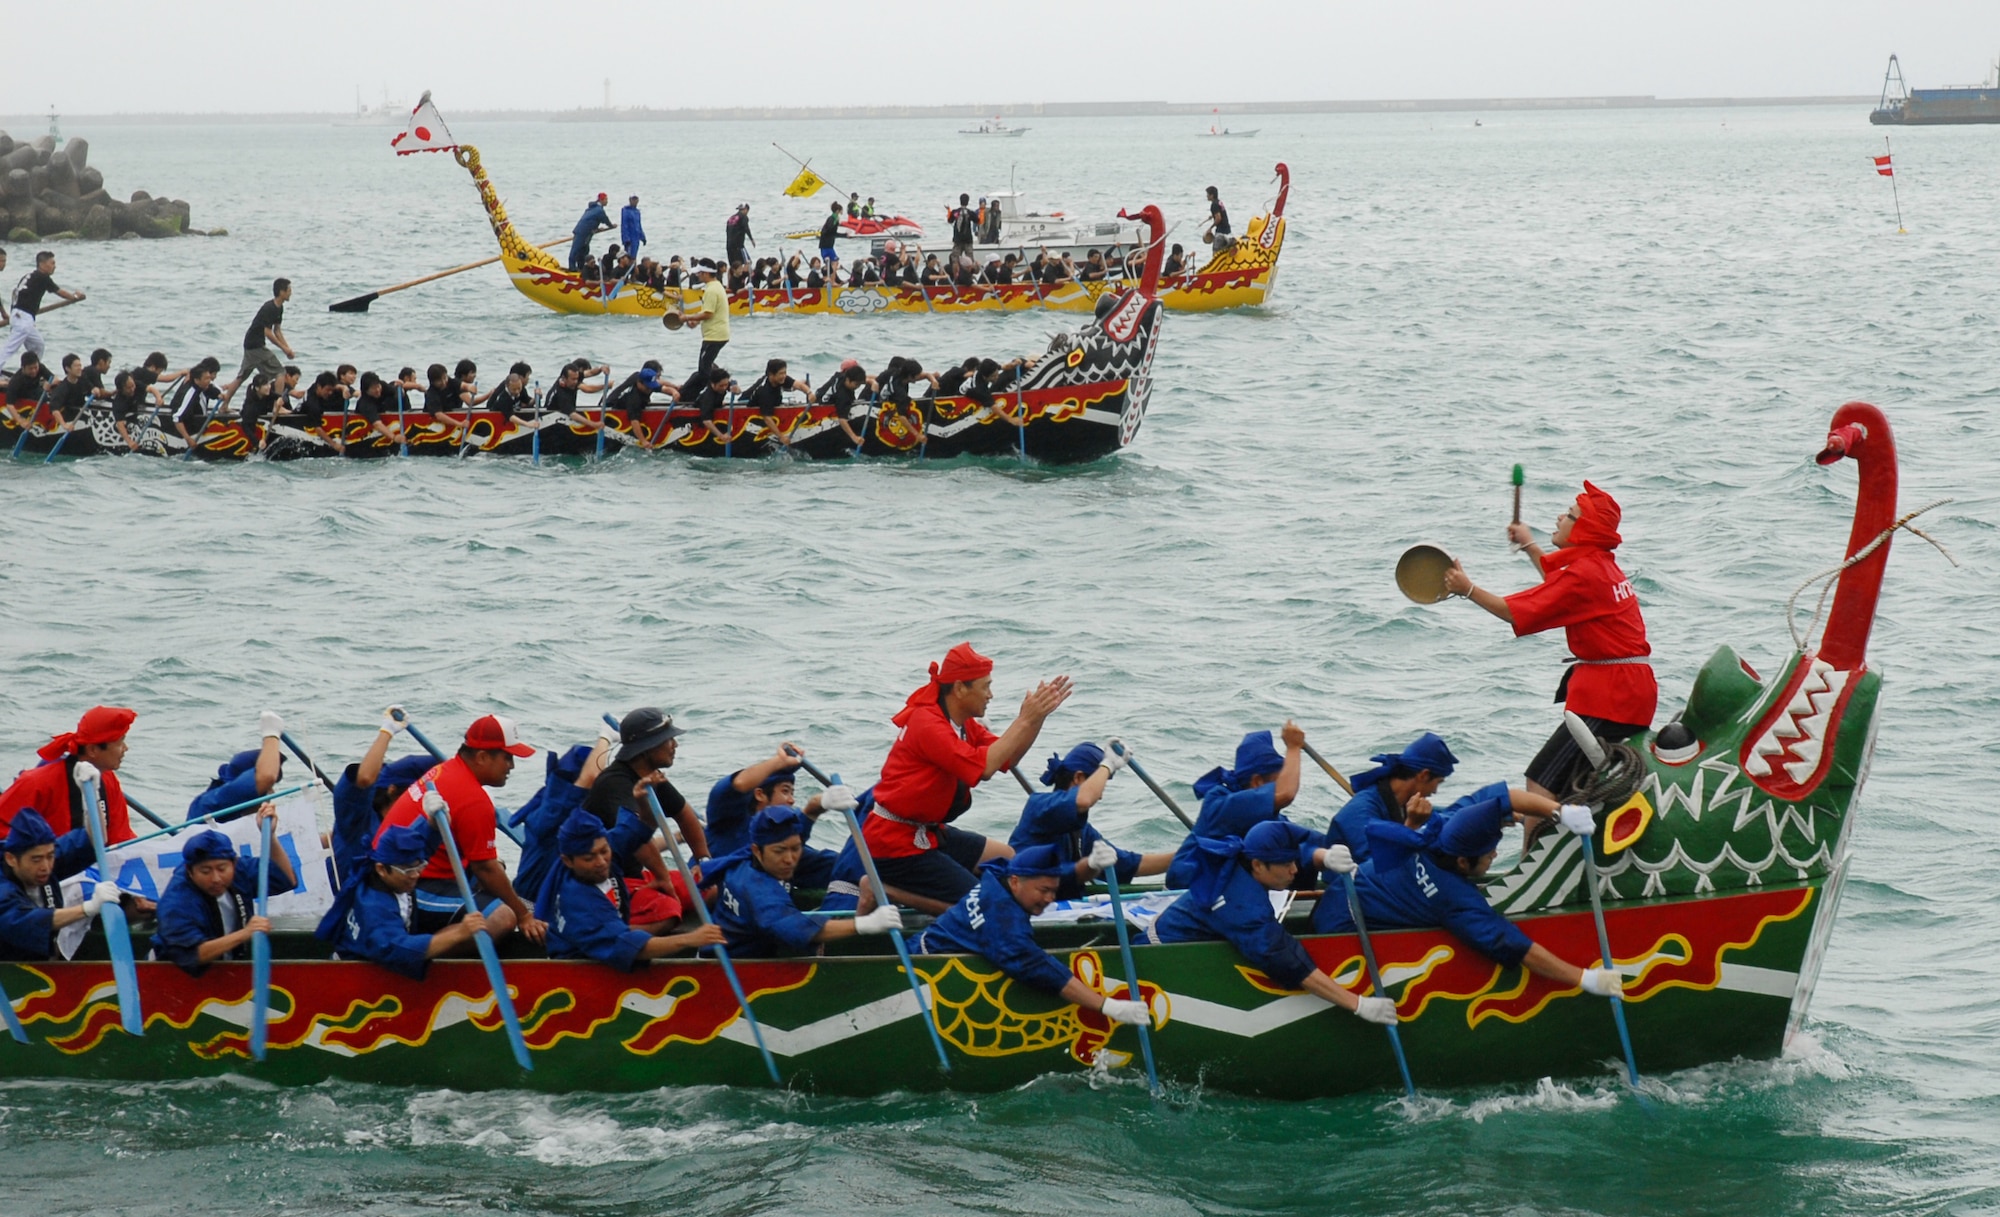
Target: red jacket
{"x": 1584, "y": 592}
{"x": 49, "y": 789}
{"x": 473, "y": 820}
{"x": 921, "y": 777}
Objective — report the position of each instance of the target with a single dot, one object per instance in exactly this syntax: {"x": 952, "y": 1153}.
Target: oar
{"x": 139, "y": 807}
{"x": 1605, "y": 949}
{"x": 603, "y": 414}
{"x": 14, "y": 1027}
{"x": 499, "y": 821}
{"x": 359, "y": 304}
{"x": 1375, "y": 979}
{"x": 535, "y": 444}
{"x": 721, "y": 952}
{"x": 111, "y": 916}
{"x": 286, "y": 738}
{"x": 401, "y": 429}
{"x": 1132, "y": 973}
{"x": 1026, "y": 788}
{"x": 217, "y": 817}
{"x": 28, "y": 428}
{"x": 487, "y": 955}
{"x": 1330, "y": 770}
{"x": 62, "y": 439}
{"x": 260, "y": 953}
{"x": 1164, "y": 797}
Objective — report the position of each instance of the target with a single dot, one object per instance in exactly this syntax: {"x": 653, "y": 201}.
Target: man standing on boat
{"x": 27, "y": 305}
{"x": 736, "y": 232}
{"x": 631, "y": 232}
{"x": 713, "y": 314}
{"x": 1217, "y": 232}
{"x": 267, "y": 329}
{"x": 829, "y": 232}
{"x": 1583, "y": 591}
{"x": 589, "y": 224}
{"x": 964, "y": 226}
{"x": 941, "y": 752}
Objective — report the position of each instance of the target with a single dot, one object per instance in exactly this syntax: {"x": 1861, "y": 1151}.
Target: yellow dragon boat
{"x": 1237, "y": 277}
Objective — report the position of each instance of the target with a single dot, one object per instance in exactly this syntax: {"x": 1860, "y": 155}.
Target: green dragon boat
{"x": 1721, "y": 852}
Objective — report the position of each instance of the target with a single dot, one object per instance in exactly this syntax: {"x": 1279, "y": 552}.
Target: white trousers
{"x": 22, "y": 335}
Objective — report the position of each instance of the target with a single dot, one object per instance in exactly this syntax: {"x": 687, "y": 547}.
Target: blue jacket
{"x": 1049, "y": 818}
{"x": 366, "y": 922}
{"x": 592, "y": 221}
{"x": 28, "y": 918}
{"x": 1406, "y": 886}
{"x": 1349, "y": 825}
{"x": 756, "y": 912}
{"x": 235, "y": 782}
{"x": 585, "y": 923}
{"x": 990, "y": 923}
{"x": 187, "y": 918}
{"x": 541, "y": 817}
{"x": 1231, "y": 813}
{"x": 354, "y": 823}
{"x": 631, "y": 233}
{"x": 1240, "y": 914}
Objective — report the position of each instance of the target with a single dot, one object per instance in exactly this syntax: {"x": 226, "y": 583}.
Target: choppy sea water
{"x": 1670, "y": 303}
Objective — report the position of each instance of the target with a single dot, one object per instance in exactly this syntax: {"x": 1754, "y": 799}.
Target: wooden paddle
{"x": 1330, "y": 770}
{"x": 359, "y": 304}
{"x": 1163, "y": 795}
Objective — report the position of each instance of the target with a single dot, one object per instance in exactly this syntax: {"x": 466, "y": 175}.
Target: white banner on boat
{"x": 144, "y": 868}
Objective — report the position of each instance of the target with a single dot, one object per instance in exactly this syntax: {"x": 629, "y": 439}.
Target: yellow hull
{"x": 1239, "y": 277}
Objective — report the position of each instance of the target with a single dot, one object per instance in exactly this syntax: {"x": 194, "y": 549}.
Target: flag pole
{"x": 802, "y": 164}
{"x": 1894, "y": 193}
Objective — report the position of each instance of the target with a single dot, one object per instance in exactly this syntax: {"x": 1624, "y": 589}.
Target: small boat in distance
{"x": 996, "y": 127}
{"x": 1220, "y": 132}
{"x": 1904, "y": 106}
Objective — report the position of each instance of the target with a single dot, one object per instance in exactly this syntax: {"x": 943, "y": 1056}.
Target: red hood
{"x": 1597, "y": 517}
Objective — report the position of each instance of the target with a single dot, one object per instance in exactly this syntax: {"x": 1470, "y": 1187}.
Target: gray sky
{"x": 228, "y": 55}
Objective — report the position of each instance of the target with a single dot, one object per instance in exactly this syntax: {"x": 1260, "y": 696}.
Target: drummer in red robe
{"x": 1610, "y": 684}
{"x": 51, "y": 789}
{"x": 941, "y": 753}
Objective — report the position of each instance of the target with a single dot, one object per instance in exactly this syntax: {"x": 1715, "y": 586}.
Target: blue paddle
{"x": 882, "y": 898}
{"x": 721, "y": 952}
{"x": 401, "y": 429}
{"x": 1375, "y": 980}
{"x": 260, "y": 952}
{"x": 14, "y": 1027}
{"x": 535, "y": 445}
{"x": 487, "y": 955}
{"x": 28, "y": 428}
{"x": 217, "y": 817}
{"x": 603, "y": 414}
{"x": 1604, "y": 949}
{"x": 285, "y": 737}
{"x": 62, "y": 439}
{"x": 111, "y": 916}
{"x": 500, "y": 821}
{"x": 1132, "y": 979}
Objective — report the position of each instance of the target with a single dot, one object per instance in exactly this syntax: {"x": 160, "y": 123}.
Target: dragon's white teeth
{"x": 1757, "y": 766}
{"x": 1807, "y": 753}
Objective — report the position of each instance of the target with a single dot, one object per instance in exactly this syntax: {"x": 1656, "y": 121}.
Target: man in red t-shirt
{"x": 485, "y": 759}
{"x": 942, "y": 752}
{"x": 1610, "y": 684}
{"x": 51, "y": 788}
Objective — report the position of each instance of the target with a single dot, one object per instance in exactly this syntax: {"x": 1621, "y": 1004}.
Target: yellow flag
{"x": 805, "y": 185}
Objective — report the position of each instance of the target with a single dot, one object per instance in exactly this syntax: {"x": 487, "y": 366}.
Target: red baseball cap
{"x": 496, "y": 734}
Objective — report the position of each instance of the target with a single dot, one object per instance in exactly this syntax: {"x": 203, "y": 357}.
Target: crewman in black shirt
{"x": 26, "y": 390}
{"x": 266, "y": 328}
{"x": 27, "y": 306}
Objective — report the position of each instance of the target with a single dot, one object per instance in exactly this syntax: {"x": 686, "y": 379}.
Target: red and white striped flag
{"x": 426, "y": 132}
{"x": 1883, "y": 167}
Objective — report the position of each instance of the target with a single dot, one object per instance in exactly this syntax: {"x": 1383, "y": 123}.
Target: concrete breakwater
{"x": 49, "y": 192}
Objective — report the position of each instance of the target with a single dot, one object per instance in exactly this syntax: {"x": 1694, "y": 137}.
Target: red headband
{"x": 99, "y": 725}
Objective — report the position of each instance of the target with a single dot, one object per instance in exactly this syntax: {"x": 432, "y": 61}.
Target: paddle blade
{"x": 14, "y": 1027}
{"x": 123, "y": 970}
{"x": 260, "y": 993}
{"x": 357, "y": 305}
{"x": 503, "y": 999}
{"x": 1420, "y": 573}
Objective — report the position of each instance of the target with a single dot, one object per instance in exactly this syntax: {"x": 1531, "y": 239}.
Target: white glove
{"x": 394, "y": 721}
{"x": 1603, "y": 982}
{"x": 101, "y": 895}
{"x": 1116, "y": 754}
{"x": 84, "y": 772}
{"x": 1131, "y": 1013}
{"x": 839, "y": 797}
{"x": 1102, "y": 856}
{"x": 269, "y": 724}
{"x": 1337, "y": 858}
{"x": 880, "y": 921}
{"x": 433, "y": 802}
{"x": 1378, "y": 1010}
{"x": 607, "y": 732}
{"x": 1576, "y": 818}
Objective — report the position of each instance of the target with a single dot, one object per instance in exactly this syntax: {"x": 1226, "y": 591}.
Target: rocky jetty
{"x": 48, "y": 193}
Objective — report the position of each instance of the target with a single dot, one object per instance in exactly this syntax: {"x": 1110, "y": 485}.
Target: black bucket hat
{"x": 645, "y": 729}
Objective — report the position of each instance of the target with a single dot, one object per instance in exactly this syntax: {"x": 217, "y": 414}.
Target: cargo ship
{"x": 1904, "y": 106}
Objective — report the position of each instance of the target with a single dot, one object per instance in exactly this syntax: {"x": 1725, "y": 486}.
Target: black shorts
{"x": 1561, "y": 765}
{"x": 945, "y": 873}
